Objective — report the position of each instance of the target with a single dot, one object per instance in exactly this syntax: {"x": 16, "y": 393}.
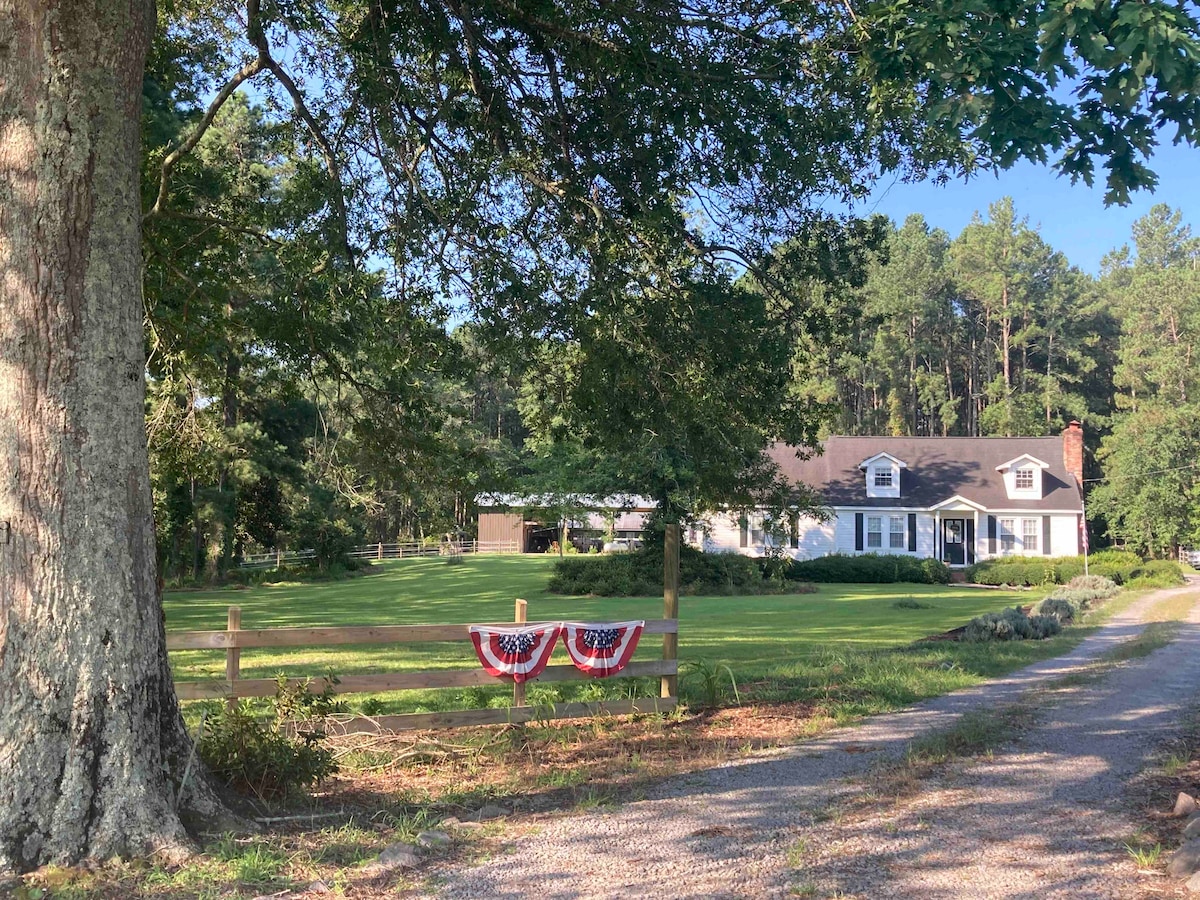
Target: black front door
{"x": 954, "y": 547}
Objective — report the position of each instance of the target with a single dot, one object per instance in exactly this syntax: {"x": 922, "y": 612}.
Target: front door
{"x": 954, "y": 545}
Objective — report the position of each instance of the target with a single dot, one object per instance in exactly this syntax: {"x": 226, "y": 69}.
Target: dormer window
{"x": 882, "y": 473}
{"x": 1023, "y": 477}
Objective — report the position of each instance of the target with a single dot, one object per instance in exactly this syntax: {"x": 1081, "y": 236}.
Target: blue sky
{"x": 1071, "y": 218}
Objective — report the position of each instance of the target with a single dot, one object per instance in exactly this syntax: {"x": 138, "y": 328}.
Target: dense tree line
{"x": 991, "y": 332}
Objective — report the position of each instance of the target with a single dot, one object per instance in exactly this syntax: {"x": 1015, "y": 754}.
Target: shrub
{"x": 1010, "y": 625}
{"x": 259, "y": 759}
{"x": 1117, "y": 565}
{"x": 1084, "y": 590}
{"x": 1098, "y": 585}
{"x": 1159, "y": 573}
{"x": 264, "y": 758}
{"x": 1058, "y": 608}
{"x": 935, "y": 571}
{"x": 869, "y": 568}
{"x": 1081, "y": 599}
{"x": 1007, "y": 625}
{"x": 1018, "y": 570}
{"x": 1044, "y": 627}
{"x": 640, "y": 573}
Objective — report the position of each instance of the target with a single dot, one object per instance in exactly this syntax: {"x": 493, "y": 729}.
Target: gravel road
{"x": 1043, "y": 819}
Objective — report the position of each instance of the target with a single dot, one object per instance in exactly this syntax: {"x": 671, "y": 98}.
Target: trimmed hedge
{"x": 870, "y": 568}
{"x": 1121, "y": 566}
{"x": 640, "y": 574}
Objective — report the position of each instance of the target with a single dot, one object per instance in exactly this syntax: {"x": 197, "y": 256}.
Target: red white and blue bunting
{"x": 520, "y": 652}
{"x": 600, "y": 649}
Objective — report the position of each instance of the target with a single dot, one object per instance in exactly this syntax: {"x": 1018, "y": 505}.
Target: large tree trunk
{"x": 92, "y": 746}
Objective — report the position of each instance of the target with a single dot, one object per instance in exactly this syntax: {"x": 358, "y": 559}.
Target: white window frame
{"x": 897, "y": 537}
{"x": 882, "y": 477}
{"x": 874, "y": 532}
{"x": 753, "y": 528}
{"x": 1024, "y": 474}
{"x": 1029, "y": 535}
{"x": 1008, "y": 536}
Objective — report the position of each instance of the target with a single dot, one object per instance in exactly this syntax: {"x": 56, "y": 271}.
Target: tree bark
{"x": 92, "y": 745}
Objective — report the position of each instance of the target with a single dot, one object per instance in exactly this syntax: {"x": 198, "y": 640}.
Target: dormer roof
{"x": 894, "y": 460}
{"x": 1021, "y": 461}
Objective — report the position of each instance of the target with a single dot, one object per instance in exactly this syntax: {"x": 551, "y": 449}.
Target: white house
{"x": 956, "y": 499}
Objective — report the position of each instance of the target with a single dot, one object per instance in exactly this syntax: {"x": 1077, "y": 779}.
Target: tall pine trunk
{"x": 92, "y": 746}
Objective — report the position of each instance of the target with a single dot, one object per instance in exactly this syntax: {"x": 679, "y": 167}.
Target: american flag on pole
{"x": 599, "y": 649}
{"x": 521, "y": 652}
{"x": 1083, "y": 532}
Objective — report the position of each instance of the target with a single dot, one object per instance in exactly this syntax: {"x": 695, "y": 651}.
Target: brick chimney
{"x": 1073, "y": 450}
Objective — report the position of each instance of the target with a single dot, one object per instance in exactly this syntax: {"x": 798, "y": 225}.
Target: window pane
{"x": 1030, "y": 533}
{"x": 883, "y": 477}
{"x": 1024, "y": 479}
{"x": 896, "y": 535}
{"x": 874, "y": 531}
{"x": 1008, "y": 538}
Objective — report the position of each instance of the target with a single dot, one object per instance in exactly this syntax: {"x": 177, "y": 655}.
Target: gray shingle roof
{"x": 938, "y": 468}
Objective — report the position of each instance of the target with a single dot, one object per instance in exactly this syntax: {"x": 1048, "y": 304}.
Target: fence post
{"x": 670, "y": 650}
{"x": 520, "y": 616}
{"x": 379, "y": 551}
{"x": 233, "y": 655}
{"x": 278, "y": 558}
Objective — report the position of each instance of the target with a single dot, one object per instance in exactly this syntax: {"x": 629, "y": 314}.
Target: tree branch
{"x": 172, "y": 159}
{"x": 258, "y": 38}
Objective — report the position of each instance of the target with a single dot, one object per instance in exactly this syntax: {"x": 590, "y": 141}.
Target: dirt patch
{"x": 559, "y": 764}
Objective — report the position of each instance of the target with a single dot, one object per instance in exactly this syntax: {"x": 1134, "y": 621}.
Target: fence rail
{"x": 403, "y": 550}
{"x": 233, "y": 639}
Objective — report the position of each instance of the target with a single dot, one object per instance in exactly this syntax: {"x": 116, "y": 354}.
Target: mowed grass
{"x": 848, "y": 638}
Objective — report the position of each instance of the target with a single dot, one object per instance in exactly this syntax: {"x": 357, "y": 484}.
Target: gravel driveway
{"x": 1040, "y": 820}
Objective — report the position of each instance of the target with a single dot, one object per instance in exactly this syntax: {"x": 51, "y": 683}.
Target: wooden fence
{"x": 234, "y": 639}
{"x": 277, "y": 558}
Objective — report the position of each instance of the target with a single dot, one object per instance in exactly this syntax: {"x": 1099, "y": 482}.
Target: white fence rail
{"x": 278, "y": 558}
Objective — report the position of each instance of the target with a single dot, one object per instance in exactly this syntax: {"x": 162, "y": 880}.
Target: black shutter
{"x": 991, "y": 535}
{"x": 912, "y": 532}
{"x": 1046, "y": 535}
{"x": 743, "y": 527}
{"x": 970, "y": 542}
{"x": 858, "y": 531}
{"x": 795, "y": 527}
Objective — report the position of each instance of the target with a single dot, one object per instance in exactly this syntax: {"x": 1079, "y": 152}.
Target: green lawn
{"x": 778, "y": 647}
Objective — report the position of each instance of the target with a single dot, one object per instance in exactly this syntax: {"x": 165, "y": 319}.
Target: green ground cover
{"x": 778, "y": 647}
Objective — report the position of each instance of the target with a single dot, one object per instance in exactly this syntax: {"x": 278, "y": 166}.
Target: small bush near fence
{"x": 870, "y": 568}
{"x": 640, "y": 574}
{"x": 1120, "y": 566}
